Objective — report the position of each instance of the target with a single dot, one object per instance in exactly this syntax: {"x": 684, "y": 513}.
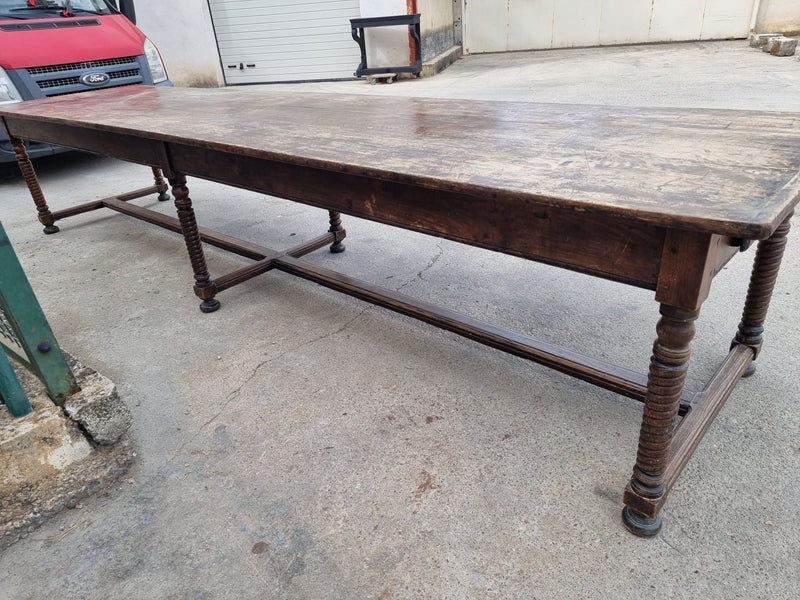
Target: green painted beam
{"x": 11, "y": 391}
{"x": 25, "y": 317}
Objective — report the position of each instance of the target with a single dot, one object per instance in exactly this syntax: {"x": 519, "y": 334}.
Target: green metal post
{"x": 11, "y": 391}
{"x": 26, "y": 333}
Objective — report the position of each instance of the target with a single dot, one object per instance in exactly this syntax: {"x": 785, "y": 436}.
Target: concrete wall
{"x": 436, "y": 23}
{"x": 501, "y": 25}
{"x": 183, "y": 32}
{"x": 778, "y": 16}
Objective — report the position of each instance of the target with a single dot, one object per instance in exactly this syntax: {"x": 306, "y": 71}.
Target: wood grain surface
{"x": 728, "y": 172}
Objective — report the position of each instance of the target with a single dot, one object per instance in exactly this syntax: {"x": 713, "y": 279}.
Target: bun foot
{"x": 210, "y": 305}
{"x": 639, "y": 524}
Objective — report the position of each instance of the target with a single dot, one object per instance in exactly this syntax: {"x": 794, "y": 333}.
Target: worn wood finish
{"x": 26, "y": 167}
{"x": 204, "y": 287}
{"x": 337, "y": 230}
{"x": 705, "y": 407}
{"x": 641, "y": 513}
{"x": 698, "y": 169}
{"x": 762, "y": 281}
{"x": 609, "y": 248}
{"x": 668, "y": 367}
{"x": 612, "y": 377}
{"x": 656, "y": 198}
{"x": 98, "y": 204}
{"x": 160, "y": 184}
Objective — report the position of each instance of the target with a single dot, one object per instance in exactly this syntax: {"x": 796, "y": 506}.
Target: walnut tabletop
{"x": 659, "y": 198}
{"x": 728, "y": 172}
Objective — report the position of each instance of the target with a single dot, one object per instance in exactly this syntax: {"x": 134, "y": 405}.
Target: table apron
{"x": 132, "y": 148}
{"x": 601, "y": 245}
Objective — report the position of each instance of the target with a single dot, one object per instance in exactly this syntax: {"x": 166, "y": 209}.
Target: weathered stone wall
{"x": 436, "y": 23}
{"x": 778, "y": 16}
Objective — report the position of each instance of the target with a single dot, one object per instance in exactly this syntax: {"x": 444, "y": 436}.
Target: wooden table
{"x": 655, "y": 198}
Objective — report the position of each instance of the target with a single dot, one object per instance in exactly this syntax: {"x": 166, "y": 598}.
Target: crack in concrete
{"x": 665, "y": 541}
{"x": 235, "y": 393}
{"x": 425, "y": 269}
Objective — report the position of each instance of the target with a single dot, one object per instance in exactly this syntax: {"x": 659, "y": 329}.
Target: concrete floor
{"x": 299, "y": 444}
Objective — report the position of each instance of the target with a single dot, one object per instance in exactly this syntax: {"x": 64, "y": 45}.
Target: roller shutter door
{"x": 263, "y": 41}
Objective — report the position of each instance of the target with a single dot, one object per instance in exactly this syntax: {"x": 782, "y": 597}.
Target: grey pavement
{"x": 299, "y": 444}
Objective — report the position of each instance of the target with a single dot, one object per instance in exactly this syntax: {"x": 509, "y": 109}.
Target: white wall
{"x": 183, "y": 33}
{"x": 500, "y": 25}
{"x": 778, "y": 16}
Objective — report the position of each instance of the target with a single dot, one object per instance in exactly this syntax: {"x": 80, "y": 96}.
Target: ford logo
{"x": 94, "y": 79}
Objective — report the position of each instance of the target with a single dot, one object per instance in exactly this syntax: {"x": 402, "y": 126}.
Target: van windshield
{"x": 25, "y": 9}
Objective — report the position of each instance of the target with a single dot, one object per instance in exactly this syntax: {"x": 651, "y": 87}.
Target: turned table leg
{"x": 666, "y": 378}
{"x": 336, "y": 228}
{"x": 45, "y": 216}
{"x": 204, "y": 286}
{"x": 762, "y": 281}
{"x": 161, "y": 184}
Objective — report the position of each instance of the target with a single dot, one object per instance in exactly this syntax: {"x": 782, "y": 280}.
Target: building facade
{"x": 230, "y": 42}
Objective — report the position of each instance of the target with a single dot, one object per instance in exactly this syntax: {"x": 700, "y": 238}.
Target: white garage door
{"x": 500, "y": 25}
{"x": 262, "y": 41}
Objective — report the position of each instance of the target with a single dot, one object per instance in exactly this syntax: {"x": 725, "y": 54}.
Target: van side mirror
{"x": 127, "y": 9}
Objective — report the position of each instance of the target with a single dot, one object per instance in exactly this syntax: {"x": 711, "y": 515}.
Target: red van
{"x": 55, "y": 47}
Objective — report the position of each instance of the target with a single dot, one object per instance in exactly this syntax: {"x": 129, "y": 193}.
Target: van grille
{"x": 57, "y": 80}
{"x": 89, "y": 64}
{"x": 54, "y": 83}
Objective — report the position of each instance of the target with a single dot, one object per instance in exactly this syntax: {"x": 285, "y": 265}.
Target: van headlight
{"x": 8, "y": 91}
{"x": 157, "y": 69}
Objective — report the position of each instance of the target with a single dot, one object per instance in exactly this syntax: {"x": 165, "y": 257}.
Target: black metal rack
{"x": 357, "y": 29}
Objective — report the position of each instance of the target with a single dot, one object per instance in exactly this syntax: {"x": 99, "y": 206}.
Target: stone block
{"x": 781, "y": 46}
{"x": 759, "y": 40}
{"x": 97, "y": 407}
